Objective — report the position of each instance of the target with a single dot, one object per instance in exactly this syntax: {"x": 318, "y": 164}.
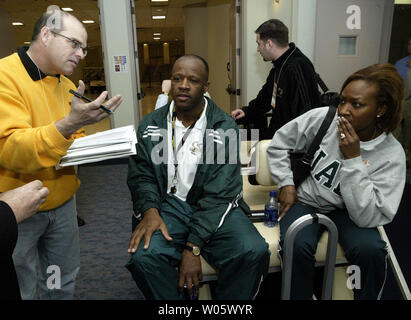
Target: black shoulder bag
{"x": 301, "y": 162}
{"x": 327, "y": 98}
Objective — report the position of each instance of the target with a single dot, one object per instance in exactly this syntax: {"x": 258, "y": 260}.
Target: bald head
{"x": 56, "y": 20}
{"x": 59, "y": 43}
{"x": 198, "y": 59}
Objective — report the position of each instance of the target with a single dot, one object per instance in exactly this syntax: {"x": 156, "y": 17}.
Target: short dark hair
{"x": 204, "y": 62}
{"x": 275, "y": 30}
{"x": 390, "y": 92}
{"x": 56, "y": 26}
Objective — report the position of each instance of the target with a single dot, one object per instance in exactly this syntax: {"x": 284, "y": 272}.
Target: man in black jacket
{"x": 291, "y": 87}
{"x": 15, "y": 206}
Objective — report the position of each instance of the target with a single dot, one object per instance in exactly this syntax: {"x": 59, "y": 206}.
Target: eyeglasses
{"x": 74, "y": 43}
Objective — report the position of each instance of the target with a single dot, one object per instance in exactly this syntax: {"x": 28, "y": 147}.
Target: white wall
{"x": 8, "y": 42}
{"x": 303, "y": 26}
{"x": 374, "y": 31}
{"x": 283, "y": 11}
{"x": 254, "y": 69}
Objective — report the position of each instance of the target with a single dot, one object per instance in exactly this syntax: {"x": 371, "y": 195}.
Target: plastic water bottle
{"x": 271, "y": 211}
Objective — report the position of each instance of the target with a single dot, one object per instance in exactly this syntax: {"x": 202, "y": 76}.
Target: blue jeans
{"x": 362, "y": 246}
{"x": 47, "y": 254}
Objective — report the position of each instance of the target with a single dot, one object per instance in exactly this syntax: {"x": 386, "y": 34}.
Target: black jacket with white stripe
{"x": 297, "y": 91}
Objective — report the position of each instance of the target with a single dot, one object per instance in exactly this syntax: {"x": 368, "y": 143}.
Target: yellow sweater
{"x": 30, "y": 144}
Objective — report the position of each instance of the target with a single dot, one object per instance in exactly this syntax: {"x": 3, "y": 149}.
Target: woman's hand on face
{"x": 349, "y": 141}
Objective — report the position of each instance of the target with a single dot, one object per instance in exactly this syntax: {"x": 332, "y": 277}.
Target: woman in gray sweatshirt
{"x": 357, "y": 177}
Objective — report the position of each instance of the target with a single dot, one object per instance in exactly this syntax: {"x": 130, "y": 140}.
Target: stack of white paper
{"x": 110, "y": 144}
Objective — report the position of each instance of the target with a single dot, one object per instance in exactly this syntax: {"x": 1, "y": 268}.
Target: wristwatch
{"x": 194, "y": 249}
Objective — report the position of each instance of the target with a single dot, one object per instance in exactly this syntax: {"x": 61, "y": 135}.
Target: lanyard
{"x": 180, "y": 145}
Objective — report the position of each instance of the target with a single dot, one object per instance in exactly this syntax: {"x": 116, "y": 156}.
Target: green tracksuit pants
{"x": 236, "y": 249}
{"x": 363, "y": 247}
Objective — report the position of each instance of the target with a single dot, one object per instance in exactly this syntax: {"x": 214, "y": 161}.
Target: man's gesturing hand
{"x": 82, "y": 113}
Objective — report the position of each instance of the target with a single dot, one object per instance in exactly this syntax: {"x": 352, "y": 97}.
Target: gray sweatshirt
{"x": 370, "y": 186}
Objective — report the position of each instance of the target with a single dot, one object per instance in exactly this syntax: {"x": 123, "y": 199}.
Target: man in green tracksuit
{"x": 186, "y": 188}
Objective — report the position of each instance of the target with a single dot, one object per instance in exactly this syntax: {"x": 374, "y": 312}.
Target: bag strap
{"x": 309, "y": 155}
{"x": 321, "y": 83}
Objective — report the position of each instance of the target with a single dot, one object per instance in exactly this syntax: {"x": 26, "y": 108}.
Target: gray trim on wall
{"x": 386, "y": 30}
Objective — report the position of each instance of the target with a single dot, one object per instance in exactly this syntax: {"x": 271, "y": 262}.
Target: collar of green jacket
{"x": 215, "y": 116}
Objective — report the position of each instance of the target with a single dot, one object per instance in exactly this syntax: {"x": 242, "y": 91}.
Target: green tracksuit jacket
{"x": 217, "y": 187}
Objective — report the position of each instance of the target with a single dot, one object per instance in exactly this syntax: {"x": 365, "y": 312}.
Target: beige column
{"x": 219, "y": 52}
{"x": 166, "y": 53}
{"x": 195, "y": 31}
{"x": 146, "y": 54}
{"x": 120, "y": 67}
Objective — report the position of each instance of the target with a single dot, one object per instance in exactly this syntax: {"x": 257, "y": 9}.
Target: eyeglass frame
{"x": 75, "y": 44}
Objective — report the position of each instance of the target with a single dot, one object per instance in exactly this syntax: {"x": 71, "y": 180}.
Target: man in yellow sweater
{"x": 39, "y": 120}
